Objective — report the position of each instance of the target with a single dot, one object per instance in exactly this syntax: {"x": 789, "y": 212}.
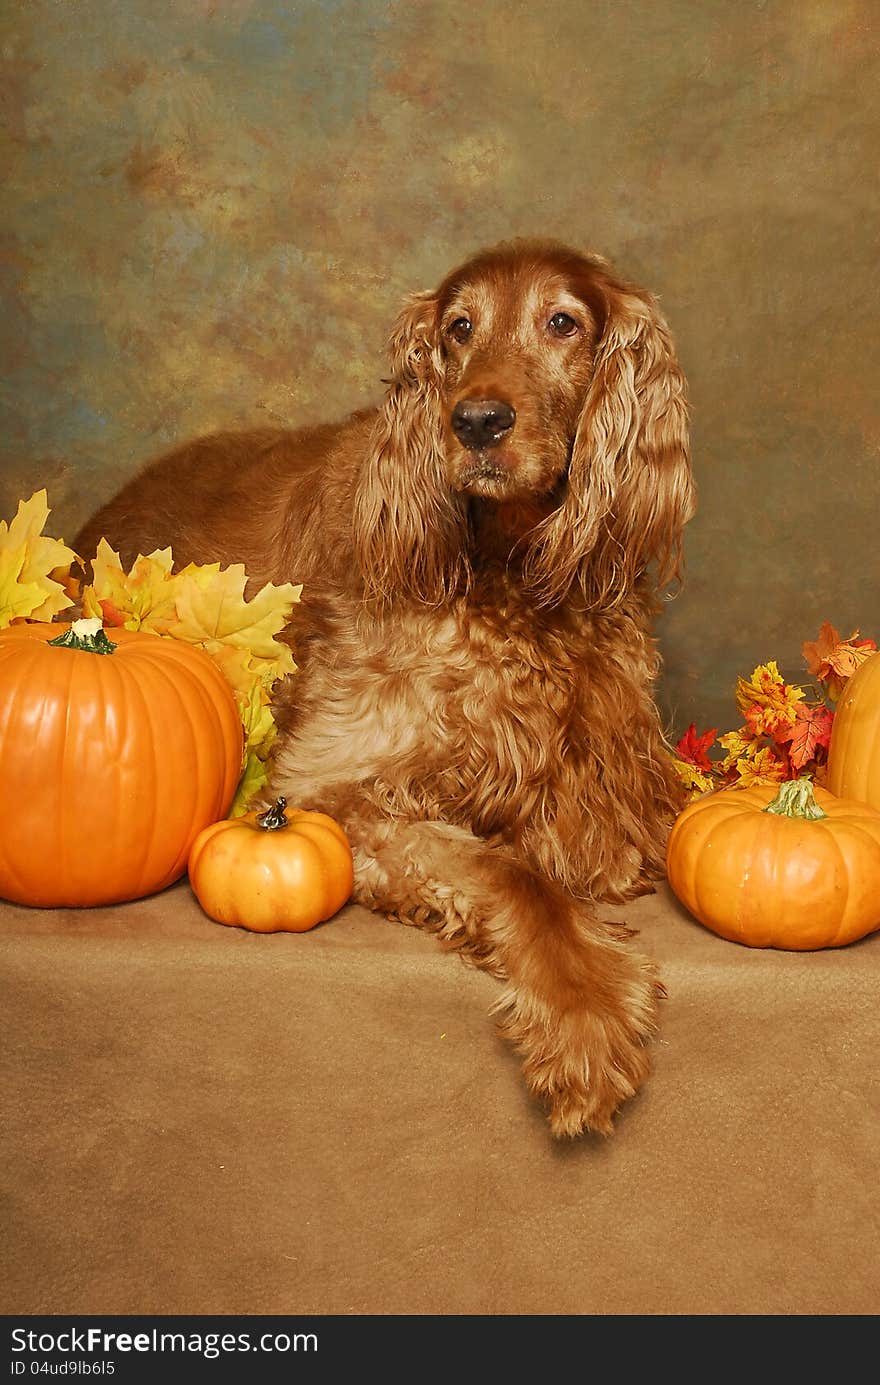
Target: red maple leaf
{"x": 692, "y": 747}
{"x": 811, "y": 730}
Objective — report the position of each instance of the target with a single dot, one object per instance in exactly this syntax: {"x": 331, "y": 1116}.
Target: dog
{"x": 483, "y": 556}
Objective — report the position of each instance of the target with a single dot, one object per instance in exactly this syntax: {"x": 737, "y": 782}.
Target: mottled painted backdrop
{"x": 213, "y": 208}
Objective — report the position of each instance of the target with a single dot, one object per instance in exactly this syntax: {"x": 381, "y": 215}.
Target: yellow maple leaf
{"x": 17, "y": 599}
{"x": 258, "y": 722}
{"x": 244, "y": 669}
{"x": 740, "y": 745}
{"x": 32, "y": 566}
{"x": 695, "y": 781}
{"x": 140, "y": 599}
{"x": 210, "y": 607}
{"x": 254, "y": 778}
{"x": 251, "y": 683}
{"x": 761, "y": 768}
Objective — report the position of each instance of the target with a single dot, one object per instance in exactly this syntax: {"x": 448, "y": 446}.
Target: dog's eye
{"x": 460, "y": 329}
{"x": 561, "y": 325}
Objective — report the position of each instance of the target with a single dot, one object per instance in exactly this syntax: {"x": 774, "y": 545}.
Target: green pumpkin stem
{"x": 273, "y": 819}
{"x": 796, "y": 800}
{"x": 86, "y": 635}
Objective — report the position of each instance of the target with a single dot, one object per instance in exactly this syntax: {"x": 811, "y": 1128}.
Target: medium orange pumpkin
{"x": 272, "y": 871}
{"x": 795, "y": 868}
{"x": 114, "y": 754}
{"x": 854, "y": 752}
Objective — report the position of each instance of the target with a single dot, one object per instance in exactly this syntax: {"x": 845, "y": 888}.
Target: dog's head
{"x": 535, "y": 381}
{"x": 518, "y": 333}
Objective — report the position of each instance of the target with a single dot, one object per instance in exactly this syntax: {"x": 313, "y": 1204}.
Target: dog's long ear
{"x": 630, "y": 488}
{"x": 409, "y": 529}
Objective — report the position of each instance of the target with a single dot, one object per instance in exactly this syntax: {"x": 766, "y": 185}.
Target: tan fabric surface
{"x": 203, "y": 1120}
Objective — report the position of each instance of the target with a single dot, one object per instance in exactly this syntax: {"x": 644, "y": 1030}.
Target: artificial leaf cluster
{"x": 204, "y": 605}
{"x": 786, "y": 728}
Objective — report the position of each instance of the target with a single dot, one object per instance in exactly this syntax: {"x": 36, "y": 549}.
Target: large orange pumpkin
{"x": 272, "y": 871}
{"x": 854, "y": 752}
{"x": 795, "y": 868}
{"x": 111, "y": 763}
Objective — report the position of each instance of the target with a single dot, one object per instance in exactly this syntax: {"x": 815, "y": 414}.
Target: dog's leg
{"x": 581, "y": 1004}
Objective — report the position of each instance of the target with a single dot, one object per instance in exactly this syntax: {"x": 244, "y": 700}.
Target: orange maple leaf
{"x": 812, "y": 729}
{"x": 816, "y": 651}
{"x": 834, "y": 660}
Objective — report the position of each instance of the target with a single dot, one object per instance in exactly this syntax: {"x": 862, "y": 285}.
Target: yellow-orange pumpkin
{"x": 273, "y": 871}
{"x": 854, "y": 752}
{"x": 795, "y": 868}
{"x": 114, "y": 754}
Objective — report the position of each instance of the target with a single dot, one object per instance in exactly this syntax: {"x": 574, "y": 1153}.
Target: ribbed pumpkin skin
{"x": 110, "y": 765}
{"x": 772, "y": 881}
{"x": 854, "y": 752}
{"x": 269, "y": 882}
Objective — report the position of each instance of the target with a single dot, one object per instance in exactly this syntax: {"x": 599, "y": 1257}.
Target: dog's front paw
{"x": 586, "y": 1060}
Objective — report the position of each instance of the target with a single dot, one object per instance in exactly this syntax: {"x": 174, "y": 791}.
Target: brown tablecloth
{"x": 203, "y": 1120}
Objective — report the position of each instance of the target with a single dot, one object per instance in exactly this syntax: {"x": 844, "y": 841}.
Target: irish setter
{"x": 482, "y": 557}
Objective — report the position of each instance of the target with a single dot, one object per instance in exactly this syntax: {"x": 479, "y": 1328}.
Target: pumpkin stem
{"x": 273, "y": 819}
{"x": 796, "y": 800}
{"x": 87, "y": 635}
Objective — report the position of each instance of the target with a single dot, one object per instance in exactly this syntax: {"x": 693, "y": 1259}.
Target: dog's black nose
{"x": 482, "y": 422}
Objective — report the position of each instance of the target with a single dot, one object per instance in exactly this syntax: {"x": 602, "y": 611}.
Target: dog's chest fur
{"x": 476, "y": 715}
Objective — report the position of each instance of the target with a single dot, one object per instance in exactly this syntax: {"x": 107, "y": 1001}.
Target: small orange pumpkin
{"x": 114, "y": 754}
{"x": 854, "y": 752}
{"x": 797, "y": 869}
{"x": 272, "y": 872}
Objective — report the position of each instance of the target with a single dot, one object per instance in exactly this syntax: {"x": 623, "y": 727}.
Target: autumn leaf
{"x": 811, "y": 730}
{"x": 692, "y": 748}
{"x": 764, "y": 767}
{"x": 834, "y": 660}
{"x": 140, "y": 599}
{"x": 32, "y": 566}
{"x": 18, "y": 599}
{"x": 693, "y": 778}
{"x": 211, "y": 607}
{"x": 254, "y": 778}
{"x": 766, "y": 701}
{"x": 257, "y": 720}
{"x": 740, "y": 745}
{"x": 816, "y": 651}
{"x": 259, "y": 736}
{"x": 242, "y": 669}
